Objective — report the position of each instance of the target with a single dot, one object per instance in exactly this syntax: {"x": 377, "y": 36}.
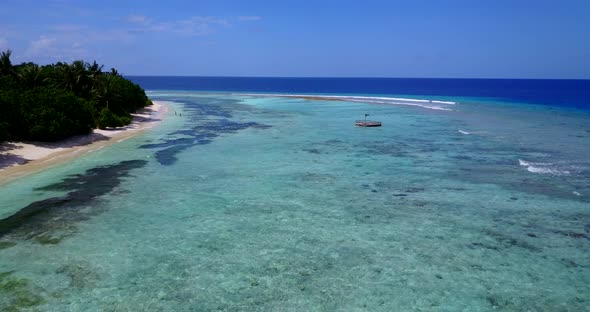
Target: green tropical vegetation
{"x": 56, "y": 101}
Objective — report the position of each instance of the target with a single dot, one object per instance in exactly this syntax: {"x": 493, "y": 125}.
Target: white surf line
{"x": 542, "y": 168}
{"x": 396, "y": 103}
{"x": 363, "y": 99}
{"x": 469, "y": 133}
{"x": 347, "y": 97}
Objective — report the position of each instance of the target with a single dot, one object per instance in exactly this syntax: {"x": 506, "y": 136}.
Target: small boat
{"x": 367, "y": 123}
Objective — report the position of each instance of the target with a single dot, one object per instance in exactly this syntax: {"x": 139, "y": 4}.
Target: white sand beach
{"x": 18, "y": 159}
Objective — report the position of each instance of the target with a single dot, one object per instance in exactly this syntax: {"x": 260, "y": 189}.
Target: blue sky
{"x": 322, "y": 38}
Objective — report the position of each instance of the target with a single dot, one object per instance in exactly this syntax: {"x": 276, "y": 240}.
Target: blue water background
{"x": 562, "y": 93}
{"x": 236, "y": 202}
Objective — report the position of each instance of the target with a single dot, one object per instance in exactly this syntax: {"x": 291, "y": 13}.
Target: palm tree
{"x": 30, "y": 74}
{"x": 94, "y": 70}
{"x": 73, "y": 77}
{"x": 6, "y": 67}
{"x": 105, "y": 90}
{"x": 114, "y": 72}
{"x": 95, "y": 73}
{"x": 64, "y": 76}
{"x": 82, "y": 83}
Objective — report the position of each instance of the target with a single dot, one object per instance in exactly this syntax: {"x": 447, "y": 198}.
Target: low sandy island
{"x": 18, "y": 159}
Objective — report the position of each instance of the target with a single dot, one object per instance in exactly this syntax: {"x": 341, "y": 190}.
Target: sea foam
{"x": 542, "y": 168}
{"x": 471, "y": 132}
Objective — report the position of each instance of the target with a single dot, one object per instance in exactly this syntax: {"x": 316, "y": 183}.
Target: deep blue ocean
{"x": 564, "y": 93}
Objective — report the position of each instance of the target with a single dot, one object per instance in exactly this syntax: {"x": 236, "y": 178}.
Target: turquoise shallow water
{"x": 238, "y": 203}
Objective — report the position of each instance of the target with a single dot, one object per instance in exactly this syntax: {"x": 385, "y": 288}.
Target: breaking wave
{"x": 543, "y": 168}
{"x": 474, "y": 132}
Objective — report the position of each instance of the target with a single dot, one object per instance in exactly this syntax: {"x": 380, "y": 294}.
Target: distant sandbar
{"x": 381, "y": 100}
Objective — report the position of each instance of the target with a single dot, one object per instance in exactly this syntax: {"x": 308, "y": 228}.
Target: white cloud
{"x": 70, "y": 41}
{"x": 69, "y": 28}
{"x": 193, "y": 26}
{"x": 70, "y": 33}
{"x": 249, "y": 18}
{"x": 138, "y": 19}
{"x": 198, "y": 25}
{"x": 51, "y": 49}
{"x": 41, "y": 46}
{"x": 67, "y": 42}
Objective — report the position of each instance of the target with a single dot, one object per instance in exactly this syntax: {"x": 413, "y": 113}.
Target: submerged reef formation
{"x": 209, "y": 120}
{"x": 50, "y": 220}
{"x": 17, "y": 293}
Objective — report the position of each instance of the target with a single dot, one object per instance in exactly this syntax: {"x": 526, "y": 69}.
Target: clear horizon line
{"x": 354, "y": 77}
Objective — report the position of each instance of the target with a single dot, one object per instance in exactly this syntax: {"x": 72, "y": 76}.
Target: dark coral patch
{"x": 48, "y": 221}
{"x": 198, "y": 135}
{"x": 207, "y": 119}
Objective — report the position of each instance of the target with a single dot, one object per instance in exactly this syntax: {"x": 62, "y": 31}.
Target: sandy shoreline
{"x": 18, "y": 159}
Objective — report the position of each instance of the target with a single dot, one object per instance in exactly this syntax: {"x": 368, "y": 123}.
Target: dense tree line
{"x": 52, "y": 102}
